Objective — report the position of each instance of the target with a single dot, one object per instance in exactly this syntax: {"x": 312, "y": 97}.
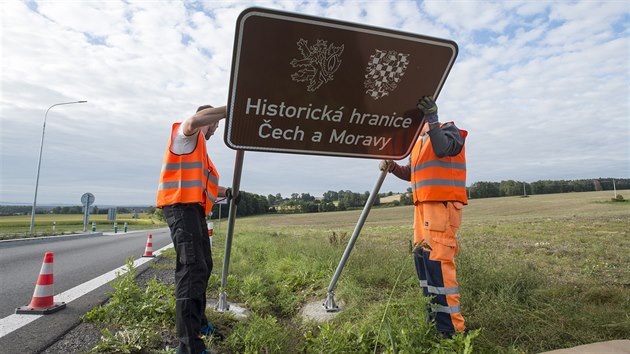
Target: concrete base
{"x": 315, "y": 311}
{"x": 621, "y": 346}
{"x": 237, "y": 310}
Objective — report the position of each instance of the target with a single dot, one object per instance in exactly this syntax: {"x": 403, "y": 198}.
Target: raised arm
{"x": 202, "y": 118}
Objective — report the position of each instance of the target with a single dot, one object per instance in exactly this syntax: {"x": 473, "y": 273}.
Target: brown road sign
{"x": 309, "y": 85}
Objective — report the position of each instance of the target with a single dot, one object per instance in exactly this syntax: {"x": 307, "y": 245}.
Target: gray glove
{"x": 429, "y": 108}
{"x": 387, "y": 165}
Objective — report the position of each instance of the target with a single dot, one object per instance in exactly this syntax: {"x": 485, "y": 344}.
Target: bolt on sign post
{"x": 308, "y": 85}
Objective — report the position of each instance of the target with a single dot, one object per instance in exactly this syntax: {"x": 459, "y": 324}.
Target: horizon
{"x": 46, "y": 205}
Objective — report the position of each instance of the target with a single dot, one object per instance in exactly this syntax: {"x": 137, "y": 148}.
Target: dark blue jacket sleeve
{"x": 446, "y": 140}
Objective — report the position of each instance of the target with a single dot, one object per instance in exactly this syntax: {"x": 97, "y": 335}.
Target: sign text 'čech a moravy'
{"x": 309, "y": 85}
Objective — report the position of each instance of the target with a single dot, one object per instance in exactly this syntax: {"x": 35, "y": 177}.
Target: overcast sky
{"x": 541, "y": 86}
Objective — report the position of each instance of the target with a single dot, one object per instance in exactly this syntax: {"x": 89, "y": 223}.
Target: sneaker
{"x": 210, "y": 330}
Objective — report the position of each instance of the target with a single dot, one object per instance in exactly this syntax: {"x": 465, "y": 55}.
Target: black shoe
{"x": 449, "y": 335}
{"x": 446, "y": 335}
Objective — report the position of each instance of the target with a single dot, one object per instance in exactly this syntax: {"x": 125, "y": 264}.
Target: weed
{"x": 135, "y": 313}
{"x": 259, "y": 334}
{"x": 128, "y": 340}
{"x": 337, "y": 239}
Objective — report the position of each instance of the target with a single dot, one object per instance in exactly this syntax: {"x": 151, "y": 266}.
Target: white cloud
{"x": 542, "y": 87}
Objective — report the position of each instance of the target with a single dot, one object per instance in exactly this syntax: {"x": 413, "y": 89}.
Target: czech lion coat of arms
{"x": 319, "y": 63}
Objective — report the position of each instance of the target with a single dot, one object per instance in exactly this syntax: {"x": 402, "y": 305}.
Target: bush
{"x": 130, "y": 305}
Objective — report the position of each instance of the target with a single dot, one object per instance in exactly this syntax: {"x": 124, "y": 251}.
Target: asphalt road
{"x": 75, "y": 262}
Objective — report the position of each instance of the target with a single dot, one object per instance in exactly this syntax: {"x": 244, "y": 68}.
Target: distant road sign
{"x": 87, "y": 199}
{"x": 221, "y": 201}
{"x": 309, "y": 85}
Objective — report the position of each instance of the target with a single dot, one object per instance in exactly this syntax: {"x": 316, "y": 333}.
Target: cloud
{"x": 542, "y": 87}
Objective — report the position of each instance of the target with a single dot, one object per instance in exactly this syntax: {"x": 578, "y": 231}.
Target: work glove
{"x": 387, "y": 165}
{"x": 429, "y": 108}
{"x": 230, "y": 196}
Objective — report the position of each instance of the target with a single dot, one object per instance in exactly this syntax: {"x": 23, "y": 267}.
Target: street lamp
{"x": 39, "y": 164}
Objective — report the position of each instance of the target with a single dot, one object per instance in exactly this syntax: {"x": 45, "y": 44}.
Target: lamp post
{"x": 39, "y": 164}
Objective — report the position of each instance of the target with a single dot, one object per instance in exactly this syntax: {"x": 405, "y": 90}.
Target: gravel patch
{"x": 85, "y": 336}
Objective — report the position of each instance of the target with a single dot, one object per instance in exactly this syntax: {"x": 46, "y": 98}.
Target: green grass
{"x": 536, "y": 274}
{"x": 51, "y": 224}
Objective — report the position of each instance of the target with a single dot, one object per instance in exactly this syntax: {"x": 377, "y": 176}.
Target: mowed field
{"x": 50, "y": 224}
{"x": 537, "y": 273}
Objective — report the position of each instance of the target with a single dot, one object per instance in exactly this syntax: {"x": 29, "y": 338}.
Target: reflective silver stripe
{"x": 445, "y": 309}
{"x": 174, "y": 166}
{"x": 438, "y": 163}
{"x": 442, "y": 290}
{"x": 439, "y": 182}
{"x": 423, "y": 283}
{"x": 44, "y": 290}
{"x": 180, "y": 184}
{"x": 186, "y": 184}
{"x": 209, "y": 196}
{"x": 210, "y": 177}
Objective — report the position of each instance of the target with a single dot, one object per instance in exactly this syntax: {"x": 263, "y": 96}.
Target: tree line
{"x": 253, "y": 204}
{"x": 517, "y": 188}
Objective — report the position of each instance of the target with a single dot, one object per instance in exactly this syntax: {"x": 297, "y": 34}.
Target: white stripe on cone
{"x": 42, "y": 301}
{"x": 148, "y": 250}
{"x": 44, "y": 291}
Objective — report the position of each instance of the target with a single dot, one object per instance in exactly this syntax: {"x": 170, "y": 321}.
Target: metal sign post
{"x": 330, "y": 305}
{"x": 223, "y": 305}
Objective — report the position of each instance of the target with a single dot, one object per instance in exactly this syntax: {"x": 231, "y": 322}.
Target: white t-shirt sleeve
{"x": 182, "y": 144}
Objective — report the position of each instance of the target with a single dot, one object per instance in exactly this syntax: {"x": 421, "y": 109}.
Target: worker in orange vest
{"x": 437, "y": 171}
{"x": 189, "y": 186}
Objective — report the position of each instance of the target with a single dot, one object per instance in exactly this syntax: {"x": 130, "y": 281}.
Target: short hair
{"x": 204, "y": 107}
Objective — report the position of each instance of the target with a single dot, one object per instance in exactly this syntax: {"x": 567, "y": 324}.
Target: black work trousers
{"x": 189, "y": 233}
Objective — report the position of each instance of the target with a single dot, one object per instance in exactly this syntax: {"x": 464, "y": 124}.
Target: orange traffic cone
{"x": 42, "y": 301}
{"x": 148, "y": 251}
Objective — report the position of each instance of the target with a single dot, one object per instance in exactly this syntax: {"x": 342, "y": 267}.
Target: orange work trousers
{"x": 435, "y": 227}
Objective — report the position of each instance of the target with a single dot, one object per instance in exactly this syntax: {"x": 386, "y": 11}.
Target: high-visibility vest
{"x": 437, "y": 179}
{"x": 188, "y": 178}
